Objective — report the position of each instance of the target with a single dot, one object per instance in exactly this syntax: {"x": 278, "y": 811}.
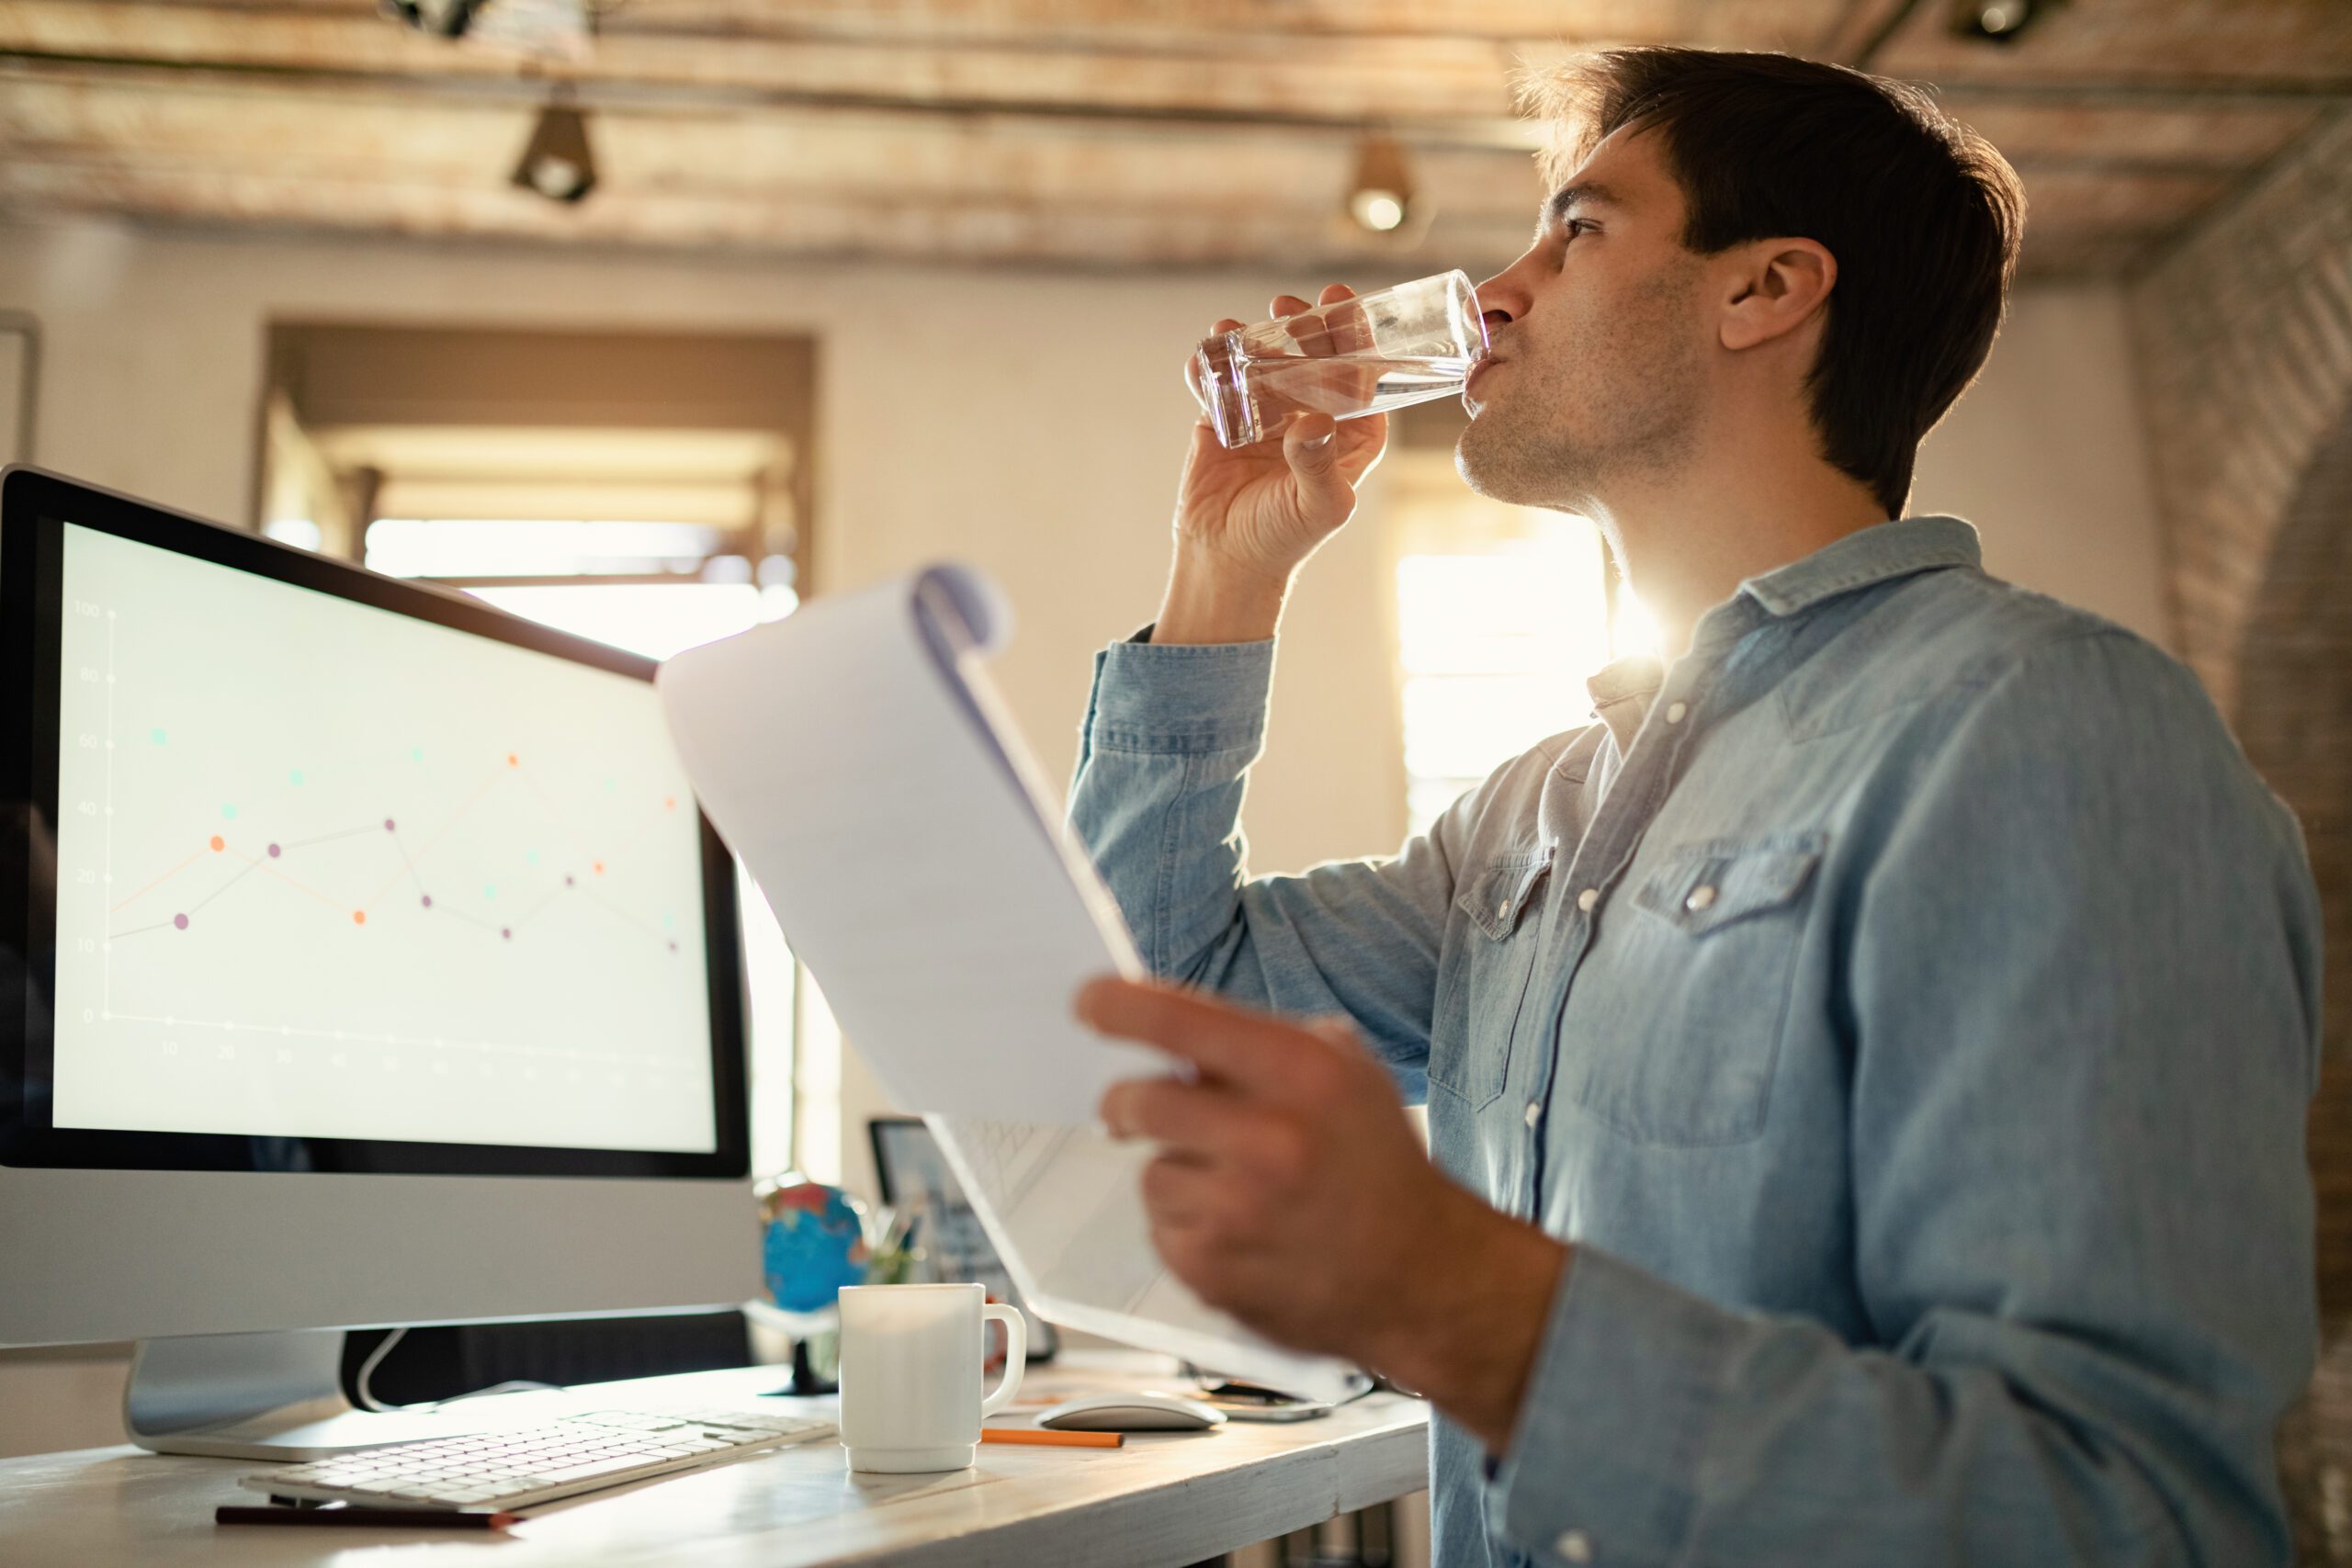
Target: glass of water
{"x": 1367, "y": 355}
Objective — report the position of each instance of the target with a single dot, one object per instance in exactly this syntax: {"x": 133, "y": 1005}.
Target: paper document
{"x": 854, "y": 757}
{"x": 857, "y": 758}
{"x": 1065, "y": 1207}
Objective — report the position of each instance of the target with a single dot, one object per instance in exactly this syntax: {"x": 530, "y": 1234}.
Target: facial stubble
{"x": 1622, "y": 398}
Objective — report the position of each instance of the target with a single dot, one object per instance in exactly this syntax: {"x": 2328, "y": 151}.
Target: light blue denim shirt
{"x": 1907, "y": 1002}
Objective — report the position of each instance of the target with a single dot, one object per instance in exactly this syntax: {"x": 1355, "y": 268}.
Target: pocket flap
{"x": 1496, "y": 898}
{"x": 1709, "y": 886}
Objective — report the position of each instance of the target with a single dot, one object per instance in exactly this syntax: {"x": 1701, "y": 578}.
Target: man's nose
{"x": 1500, "y": 302}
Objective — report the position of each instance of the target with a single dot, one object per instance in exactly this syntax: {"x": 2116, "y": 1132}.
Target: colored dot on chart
{"x": 272, "y": 852}
{"x": 295, "y": 777}
{"x": 490, "y": 890}
{"x": 530, "y": 857}
{"x": 229, "y": 813}
{"x": 218, "y": 843}
{"x": 673, "y": 947}
{"x": 511, "y": 762}
{"x": 669, "y": 803}
{"x": 567, "y": 879}
{"x": 507, "y": 932}
{"x": 388, "y": 825}
{"x": 358, "y": 917}
{"x": 157, "y": 735}
{"x": 669, "y": 922}
{"x": 600, "y": 868}
{"x": 428, "y": 900}
{"x": 179, "y": 922}
{"x": 416, "y": 753}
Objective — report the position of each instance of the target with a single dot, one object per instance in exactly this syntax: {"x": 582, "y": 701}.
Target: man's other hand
{"x": 1290, "y": 1191}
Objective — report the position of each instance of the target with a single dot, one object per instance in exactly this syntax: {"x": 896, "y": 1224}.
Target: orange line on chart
{"x": 408, "y": 860}
{"x": 563, "y": 823}
{"x": 160, "y": 881}
{"x": 281, "y": 876}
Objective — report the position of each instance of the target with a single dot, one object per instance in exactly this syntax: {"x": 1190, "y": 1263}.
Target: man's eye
{"x": 1571, "y": 227}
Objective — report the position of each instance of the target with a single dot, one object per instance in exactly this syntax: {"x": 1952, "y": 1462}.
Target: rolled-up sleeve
{"x": 1170, "y": 735}
{"x": 2083, "y": 986}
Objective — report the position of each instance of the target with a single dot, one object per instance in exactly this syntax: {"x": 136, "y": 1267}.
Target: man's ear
{"x": 1778, "y": 287}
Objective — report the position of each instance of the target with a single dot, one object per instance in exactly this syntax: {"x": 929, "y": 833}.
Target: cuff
{"x": 1180, "y": 698}
{"x": 1604, "y": 1466}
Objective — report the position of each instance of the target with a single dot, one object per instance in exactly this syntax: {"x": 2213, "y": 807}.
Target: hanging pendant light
{"x": 1380, "y": 197}
{"x": 555, "y": 162}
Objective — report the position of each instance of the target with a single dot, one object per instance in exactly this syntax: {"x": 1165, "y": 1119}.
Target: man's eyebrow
{"x": 1586, "y": 194}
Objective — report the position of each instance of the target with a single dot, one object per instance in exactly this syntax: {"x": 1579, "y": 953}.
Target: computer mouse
{"x": 1132, "y": 1413}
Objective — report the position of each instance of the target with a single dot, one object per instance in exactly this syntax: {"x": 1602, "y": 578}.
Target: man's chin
{"x": 1491, "y": 463}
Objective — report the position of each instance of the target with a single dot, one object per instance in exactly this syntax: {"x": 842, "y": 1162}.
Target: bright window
{"x": 1502, "y": 612}
{"x": 795, "y": 1098}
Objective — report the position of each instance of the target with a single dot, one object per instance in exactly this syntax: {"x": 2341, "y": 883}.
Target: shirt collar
{"x": 1868, "y": 555}
{"x": 1876, "y": 553}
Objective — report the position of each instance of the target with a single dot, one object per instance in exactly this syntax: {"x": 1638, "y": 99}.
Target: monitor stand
{"x": 266, "y": 1397}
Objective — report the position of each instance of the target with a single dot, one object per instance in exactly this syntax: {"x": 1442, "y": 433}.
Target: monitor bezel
{"x": 35, "y": 507}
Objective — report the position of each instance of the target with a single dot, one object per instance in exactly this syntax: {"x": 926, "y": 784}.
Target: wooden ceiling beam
{"x": 1364, "y": 79}
{"x": 2140, "y": 132}
{"x": 1753, "y": 24}
{"x": 331, "y": 136}
{"x": 2174, "y": 45}
{"x": 2155, "y": 133}
{"x": 978, "y": 229}
{"x": 1358, "y": 81}
{"x": 321, "y": 133}
{"x": 2069, "y": 232}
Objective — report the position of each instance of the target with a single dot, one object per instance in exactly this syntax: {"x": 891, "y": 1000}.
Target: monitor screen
{"x": 353, "y": 868}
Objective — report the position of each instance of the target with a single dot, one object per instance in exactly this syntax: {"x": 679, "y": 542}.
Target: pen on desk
{"x": 364, "y": 1518}
{"x": 1038, "y": 1437}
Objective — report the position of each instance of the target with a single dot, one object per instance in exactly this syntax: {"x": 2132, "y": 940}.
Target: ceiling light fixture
{"x": 555, "y": 162}
{"x": 1381, "y": 195}
{"x": 1995, "y": 21}
{"x": 442, "y": 19}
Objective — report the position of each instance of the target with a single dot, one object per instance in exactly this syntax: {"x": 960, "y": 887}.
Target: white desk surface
{"x": 1165, "y": 1498}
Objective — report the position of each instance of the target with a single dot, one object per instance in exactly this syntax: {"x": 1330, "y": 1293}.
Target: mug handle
{"x": 1016, "y": 1355}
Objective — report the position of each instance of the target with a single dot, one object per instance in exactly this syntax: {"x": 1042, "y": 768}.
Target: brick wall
{"x": 2243, "y": 333}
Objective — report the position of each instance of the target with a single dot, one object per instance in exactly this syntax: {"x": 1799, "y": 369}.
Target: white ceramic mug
{"x": 910, "y": 1374}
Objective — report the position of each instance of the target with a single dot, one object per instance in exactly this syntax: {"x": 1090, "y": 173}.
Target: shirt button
{"x": 1573, "y": 1545}
{"x": 1675, "y": 712}
{"x": 1700, "y": 897}
{"x": 1502, "y": 910}
{"x": 1534, "y": 1112}
{"x": 1588, "y": 898}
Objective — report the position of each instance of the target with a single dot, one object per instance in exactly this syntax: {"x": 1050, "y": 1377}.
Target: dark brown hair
{"x": 1923, "y": 215}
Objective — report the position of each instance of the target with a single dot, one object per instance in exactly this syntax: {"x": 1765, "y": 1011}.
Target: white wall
{"x": 1031, "y": 424}
{"x": 2044, "y": 454}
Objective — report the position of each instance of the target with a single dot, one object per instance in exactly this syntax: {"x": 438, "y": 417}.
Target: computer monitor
{"x": 364, "y": 960}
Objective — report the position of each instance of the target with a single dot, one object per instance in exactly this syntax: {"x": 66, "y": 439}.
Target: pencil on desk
{"x": 1038, "y": 1437}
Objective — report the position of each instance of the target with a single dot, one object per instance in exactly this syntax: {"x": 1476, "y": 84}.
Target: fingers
{"x": 1360, "y": 445}
{"x": 1314, "y": 459}
{"x": 1192, "y": 360}
{"x": 1264, "y": 1056}
{"x": 1199, "y": 1121}
{"x": 1291, "y": 304}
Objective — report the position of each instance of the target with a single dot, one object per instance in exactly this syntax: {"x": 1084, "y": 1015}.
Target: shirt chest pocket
{"x": 1484, "y": 986}
{"x": 1675, "y": 1028}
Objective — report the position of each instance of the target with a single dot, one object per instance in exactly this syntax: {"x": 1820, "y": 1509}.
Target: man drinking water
{"x": 1867, "y": 1063}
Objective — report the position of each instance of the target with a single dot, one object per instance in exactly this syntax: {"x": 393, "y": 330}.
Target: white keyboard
{"x": 497, "y": 1471}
